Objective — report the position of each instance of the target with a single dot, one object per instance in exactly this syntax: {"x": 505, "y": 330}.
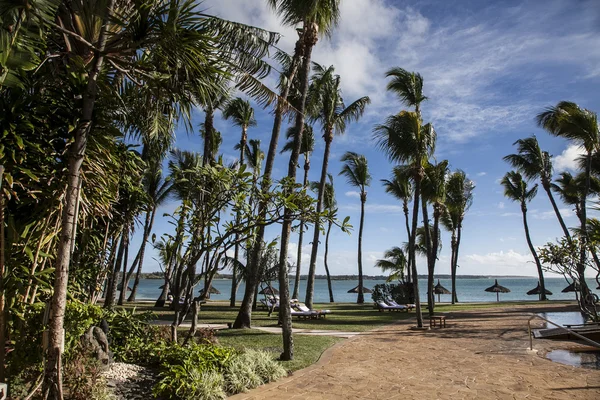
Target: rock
{"x": 130, "y": 381}
{"x": 95, "y": 341}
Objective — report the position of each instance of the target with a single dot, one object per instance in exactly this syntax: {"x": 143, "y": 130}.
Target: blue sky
{"x": 488, "y": 66}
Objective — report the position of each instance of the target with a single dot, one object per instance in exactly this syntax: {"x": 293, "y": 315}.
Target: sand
{"x": 482, "y": 354}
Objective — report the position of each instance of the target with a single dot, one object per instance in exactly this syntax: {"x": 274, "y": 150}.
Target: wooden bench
{"x": 439, "y": 321}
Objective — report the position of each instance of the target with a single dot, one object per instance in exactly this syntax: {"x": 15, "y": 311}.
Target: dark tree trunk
{"x": 52, "y": 383}
{"x": 412, "y": 255}
{"x": 430, "y": 295}
{"x": 587, "y": 302}
{"x": 310, "y": 280}
{"x": 454, "y": 293}
{"x": 453, "y": 264}
{"x": 361, "y": 295}
{"x": 325, "y": 262}
{"x": 408, "y": 268}
{"x": 236, "y": 251}
{"x": 546, "y": 187}
{"x": 111, "y": 289}
{"x": 147, "y": 231}
{"x": 300, "y": 235}
{"x": 534, "y": 253}
{"x": 124, "y": 273}
{"x": 244, "y": 317}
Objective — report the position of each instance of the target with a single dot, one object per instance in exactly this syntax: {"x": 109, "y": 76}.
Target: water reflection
{"x": 564, "y": 318}
{"x": 584, "y": 359}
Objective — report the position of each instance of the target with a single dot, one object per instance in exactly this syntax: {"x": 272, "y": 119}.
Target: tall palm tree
{"x": 533, "y": 163}
{"x": 408, "y": 86}
{"x": 459, "y": 198}
{"x": 306, "y": 149}
{"x": 579, "y": 125}
{"x": 434, "y": 192}
{"x": 394, "y": 262}
{"x": 405, "y": 139}
{"x": 515, "y": 189}
{"x": 356, "y": 171}
{"x": 328, "y": 108}
{"x": 400, "y": 187}
{"x": 242, "y": 115}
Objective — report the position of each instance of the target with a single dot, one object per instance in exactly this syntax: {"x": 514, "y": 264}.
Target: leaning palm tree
{"x": 400, "y": 187}
{"x": 405, "y": 139}
{"x": 306, "y": 149}
{"x": 394, "y": 262}
{"x": 579, "y": 125}
{"x": 459, "y": 198}
{"x": 515, "y": 189}
{"x": 242, "y": 115}
{"x": 408, "y": 86}
{"x": 356, "y": 171}
{"x": 533, "y": 163}
{"x": 434, "y": 192}
{"x": 327, "y": 107}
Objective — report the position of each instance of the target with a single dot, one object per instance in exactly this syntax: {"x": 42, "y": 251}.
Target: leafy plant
{"x": 188, "y": 381}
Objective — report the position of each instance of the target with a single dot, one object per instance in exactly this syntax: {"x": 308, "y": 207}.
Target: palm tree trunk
{"x": 534, "y": 253}
{"x": 430, "y": 296}
{"x": 557, "y": 211}
{"x": 325, "y": 262}
{"x": 284, "y": 291}
{"x": 310, "y": 281}
{"x": 52, "y": 384}
{"x": 361, "y": 296}
{"x": 236, "y": 250}
{"x": 123, "y": 277}
{"x": 411, "y": 249}
{"x": 452, "y": 263}
{"x": 409, "y": 272}
{"x": 142, "y": 252}
{"x": 244, "y": 317}
{"x": 209, "y": 126}
{"x": 434, "y": 246}
{"x": 111, "y": 289}
{"x": 587, "y": 302}
{"x": 458, "y": 236}
{"x": 300, "y": 236}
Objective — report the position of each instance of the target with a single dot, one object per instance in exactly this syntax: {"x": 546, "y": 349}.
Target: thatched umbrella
{"x": 270, "y": 291}
{"x": 120, "y": 287}
{"x": 495, "y": 288}
{"x": 212, "y": 290}
{"x": 573, "y": 287}
{"x": 364, "y": 290}
{"x": 439, "y": 290}
{"x": 538, "y": 290}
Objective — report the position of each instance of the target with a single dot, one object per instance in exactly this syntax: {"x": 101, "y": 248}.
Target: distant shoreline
{"x": 158, "y": 275}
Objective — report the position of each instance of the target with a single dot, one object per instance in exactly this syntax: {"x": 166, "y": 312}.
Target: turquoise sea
{"x": 469, "y": 290}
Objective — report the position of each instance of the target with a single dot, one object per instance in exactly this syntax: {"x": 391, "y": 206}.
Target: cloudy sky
{"x": 488, "y": 66}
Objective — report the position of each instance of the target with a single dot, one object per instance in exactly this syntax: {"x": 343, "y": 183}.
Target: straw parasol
{"x": 439, "y": 290}
{"x": 212, "y": 290}
{"x": 538, "y": 290}
{"x": 496, "y": 288}
{"x": 120, "y": 287}
{"x": 573, "y": 287}
{"x": 364, "y": 290}
{"x": 269, "y": 290}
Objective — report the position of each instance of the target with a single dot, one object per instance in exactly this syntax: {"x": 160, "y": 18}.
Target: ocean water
{"x": 468, "y": 290}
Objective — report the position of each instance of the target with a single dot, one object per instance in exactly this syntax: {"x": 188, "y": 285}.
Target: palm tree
{"x": 533, "y": 163}
{"x": 327, "y": 107}
{"x": 408, "y": 86}
{"x": 515, "y": 189}
{"x": 395, "y": 262}
{"x": 459, "y": 198}
{"x": 404, "y": 138}
{"x": 579, "y": 125}
{"x": 356, "y": 171}
{"x": 242, "y": 114}
{"x": 434, "y": 192}
{"x": 306, "y": 149}
{"x": 400, "y": 187}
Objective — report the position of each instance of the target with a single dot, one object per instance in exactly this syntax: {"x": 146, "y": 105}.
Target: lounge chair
{"x": 303, "y": 314}
{"x": 382, "y": 307}
{"x": 401, "y": 307}
{"x": 302, "y": 307}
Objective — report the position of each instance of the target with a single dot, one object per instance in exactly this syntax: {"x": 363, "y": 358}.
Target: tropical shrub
{"x": 240, "y": 374}
{"x": 188, "y": 382}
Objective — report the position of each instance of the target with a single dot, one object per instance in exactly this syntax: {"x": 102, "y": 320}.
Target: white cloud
{"x": 374, "y": 208}
{"x": 501, "y": 205}
{"x": 352, "y": 193}
{"x": 481, "y": 173}
{"x": 567, "y": 160}
{"x": 565, "y": 212}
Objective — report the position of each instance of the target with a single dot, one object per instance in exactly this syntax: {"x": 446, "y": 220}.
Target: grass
{"x": 307, "y": 349}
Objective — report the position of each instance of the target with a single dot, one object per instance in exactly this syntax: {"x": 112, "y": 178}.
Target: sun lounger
{"x": 303, "y": 314}
{"x": 302, "y": 307}
{"x": 394, "y": 304}
{"x": 382, "y": 307}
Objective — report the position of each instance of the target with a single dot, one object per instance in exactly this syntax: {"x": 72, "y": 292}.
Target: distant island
{"x": 160, "y": 275}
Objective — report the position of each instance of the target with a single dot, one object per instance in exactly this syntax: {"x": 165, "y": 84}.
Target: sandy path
{"x": 481, "y": 354}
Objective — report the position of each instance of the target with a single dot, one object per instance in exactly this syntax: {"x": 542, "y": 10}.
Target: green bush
{"x": 82, "y": 377}
{"x": 401, "y": 293}
{"x": 266, "y": 367}
{"x": 240, "y": 374}
{"x": 79, "y": 317}
{"x": 188, "y": 382}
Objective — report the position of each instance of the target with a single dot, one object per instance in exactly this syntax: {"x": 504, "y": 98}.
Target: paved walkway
{"x": 269, "y": 329}
{"x": 481, "y": 354}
